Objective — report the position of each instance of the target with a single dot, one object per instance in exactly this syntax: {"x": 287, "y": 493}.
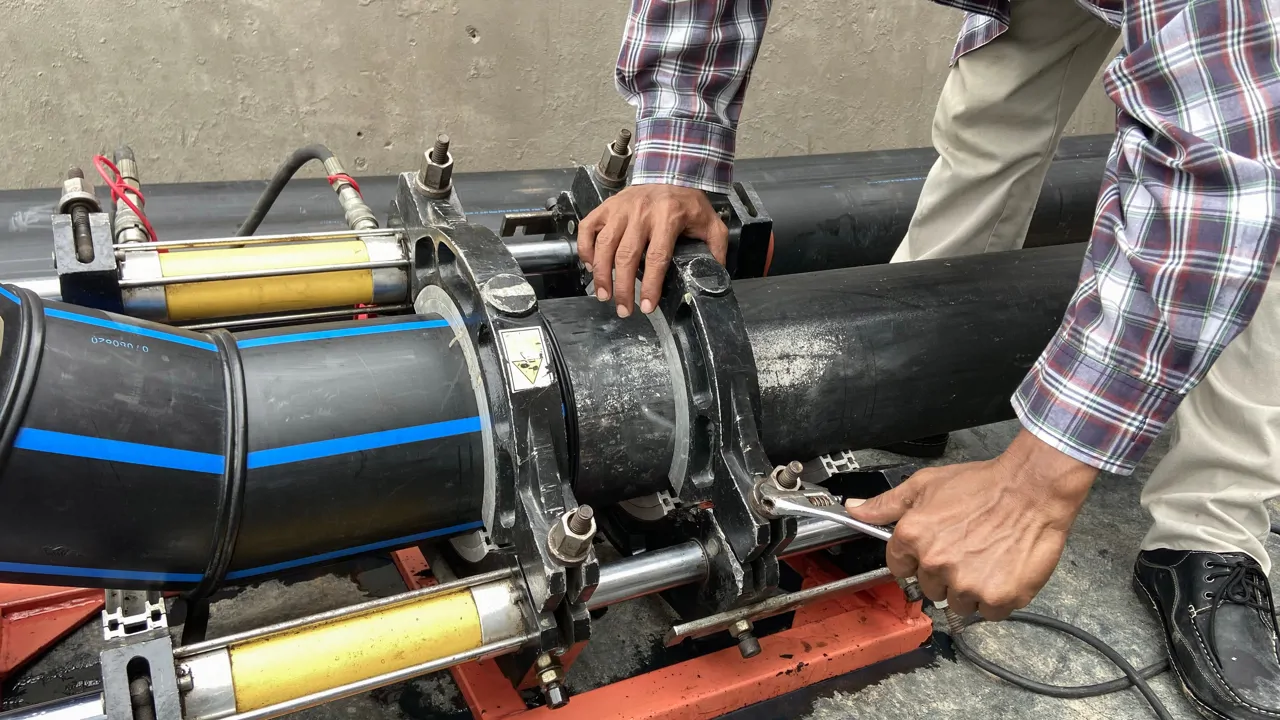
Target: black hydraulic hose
{"x": 282, "y": 176}
{"x": 142, "y": 455}
{"x": 1132, "y": 677}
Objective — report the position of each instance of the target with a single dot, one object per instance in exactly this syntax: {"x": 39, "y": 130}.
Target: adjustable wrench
{"x": 773, "y": 501}
{"x": 783, "y": 495}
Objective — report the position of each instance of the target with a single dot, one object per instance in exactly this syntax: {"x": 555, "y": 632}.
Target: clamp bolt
{"x": 788, "y": 477}
{"x": 569, "y": 540}
{"x": 78, "y": 201}
{"x": 436, "y": 175}
{"x": 744, "y": 632}
{"x": 551, "y": 679}
{"x": 616, "y": 160}
{"x": 440, "y": 151}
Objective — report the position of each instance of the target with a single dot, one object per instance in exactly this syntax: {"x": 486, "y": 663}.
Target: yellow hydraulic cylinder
{"x": 264, "y": 295}
{"x": 279, "y": 668}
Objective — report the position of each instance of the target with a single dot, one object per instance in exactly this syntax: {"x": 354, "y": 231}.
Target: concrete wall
{"x": 223, "y": 89}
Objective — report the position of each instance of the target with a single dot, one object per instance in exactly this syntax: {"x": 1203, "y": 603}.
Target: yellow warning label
{"x": 526, "y": 354}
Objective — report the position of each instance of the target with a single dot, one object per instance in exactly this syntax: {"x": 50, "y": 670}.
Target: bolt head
{"x": 740, "y": 627}
{"x": 749, "y": 646}
{"x": 435, "y": 177}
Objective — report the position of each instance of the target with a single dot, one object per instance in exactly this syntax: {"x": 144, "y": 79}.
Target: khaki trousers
{"x": 997, "y": 125}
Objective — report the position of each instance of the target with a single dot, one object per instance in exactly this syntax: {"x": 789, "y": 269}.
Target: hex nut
{"x": 77, "y": 190}
{"x": 435, "y": 177}
{"x": 565, "y": 544}
{"x": 613, "y": 165}
{"x": 743, "y": 632}
{"x": 556, "y": 695}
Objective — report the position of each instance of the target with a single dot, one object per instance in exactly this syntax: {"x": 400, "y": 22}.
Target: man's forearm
{"x": 685, "y": 67}
{"x": 1186, "y": 235}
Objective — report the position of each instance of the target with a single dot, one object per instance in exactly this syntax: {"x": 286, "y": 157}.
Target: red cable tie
{"x": 118, "y": 191}
{"x": 346, "y": 178}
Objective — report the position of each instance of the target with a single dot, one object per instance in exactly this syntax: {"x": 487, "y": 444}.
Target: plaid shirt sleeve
{"x": 685, "y": 65}
{"x": 1187, "y": 228}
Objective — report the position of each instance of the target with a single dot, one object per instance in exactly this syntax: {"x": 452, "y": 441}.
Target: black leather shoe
{"x": 1219, "y": 627}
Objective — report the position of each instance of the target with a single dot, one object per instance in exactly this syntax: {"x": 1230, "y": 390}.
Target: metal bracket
{"x": 138, "y": 668}
{"x": 749, "y": 224}
{"x": 140, "y": 675}
{"x": 518, "y": 372}
{"x": 93, "y": 284}
{"x": 129, "y": 613}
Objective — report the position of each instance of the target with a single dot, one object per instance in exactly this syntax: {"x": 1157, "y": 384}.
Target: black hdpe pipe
{"x": 133, "y": 459}
{"x": 140, "y": 455}
{"x": 829, "y": 211}
{"x": 846, "y": 359}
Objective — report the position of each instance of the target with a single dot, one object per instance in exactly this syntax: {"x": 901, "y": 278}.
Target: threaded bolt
{"x": 789, "y": 477}
{"x": 580, "y": 520}
{"x": 440, "y": 152}
{"x": 744, "y": 632}
{"x": 955, "y": 623}
{"x": 80, "y": 230}
{"x": 623, "y": 142}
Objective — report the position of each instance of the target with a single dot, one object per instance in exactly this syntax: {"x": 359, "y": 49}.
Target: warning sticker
{"x": 527, "y": 358}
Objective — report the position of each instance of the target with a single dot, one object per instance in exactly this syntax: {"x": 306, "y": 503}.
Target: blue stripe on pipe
{"x": 357, "y": 443}
{"x": 336, "y": 554}
{"x": 140, "y": 575}
{"x": 353, "y": 331}
{"x": 5, "y": 292}
{"x": 117, "y": 451}
{"x": 134, "y": 329}
{"x": 147, "y": 576}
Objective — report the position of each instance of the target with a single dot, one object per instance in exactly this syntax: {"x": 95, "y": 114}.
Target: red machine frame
{"x": 34, "y": 617}
{"x": 830, "y": 637}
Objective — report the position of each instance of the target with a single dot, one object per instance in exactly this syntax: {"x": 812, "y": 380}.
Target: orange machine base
{"x": 829, "y": 638}
{"x": 34, "y": 617}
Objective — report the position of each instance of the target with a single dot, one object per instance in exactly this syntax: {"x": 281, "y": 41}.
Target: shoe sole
{"x": 1204, "y": 710}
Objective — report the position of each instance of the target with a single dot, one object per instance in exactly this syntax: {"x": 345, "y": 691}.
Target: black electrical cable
{"x": 282, "y": 176}
{"x": 1132, "y": 676}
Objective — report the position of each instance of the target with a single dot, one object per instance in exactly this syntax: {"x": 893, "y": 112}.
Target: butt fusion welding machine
{"x": 183, "y": 416}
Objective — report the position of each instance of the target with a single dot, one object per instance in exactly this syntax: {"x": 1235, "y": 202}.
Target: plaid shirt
{"x": 1188, "y": 222}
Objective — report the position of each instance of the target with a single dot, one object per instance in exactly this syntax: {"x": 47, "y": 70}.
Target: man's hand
{"x": 984, "y": 536}
{"x": 614, "y": 237}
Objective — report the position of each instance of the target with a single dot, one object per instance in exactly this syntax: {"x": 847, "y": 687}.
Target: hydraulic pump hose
{"x": 140, "y": 455}
{"x": 282, "y": 176}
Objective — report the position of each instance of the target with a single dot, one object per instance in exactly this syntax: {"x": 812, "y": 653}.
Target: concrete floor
{"x": 1091, "y": 588}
